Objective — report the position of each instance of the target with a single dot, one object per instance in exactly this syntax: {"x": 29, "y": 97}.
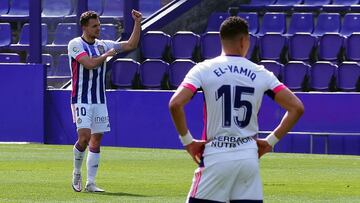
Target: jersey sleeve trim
{"x": 189, "y": 86}
{"x": 278, "y": 88}
{"x": 80, "y": 55}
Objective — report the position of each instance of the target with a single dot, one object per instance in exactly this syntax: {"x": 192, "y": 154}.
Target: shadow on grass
{"x": 117, "y": 194}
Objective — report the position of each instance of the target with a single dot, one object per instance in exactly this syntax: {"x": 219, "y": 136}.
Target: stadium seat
{"x": 108, "y": 32}
{"x": 330, "y": 45}
{"x": 5, "y": 33}
{"x": 350, "y": 24}
{"x": 327, "y": 22}
{"x": 282, "y": 5}
{"x": 123, "y": 72}
{"x": 63, "y": 34}
{"x": 215, "y": 21}
{"x": 154, "y": 44}
{"x": 275, "y": 67}
{"x": 348, "y": 76}
{"x": 256, "y": 5}
{"x": 4, "y": 7}
{"x": 253, "y": 21}
{"x": 148, "y": 7}
{"x": 178, "y": 70}
{"x": 210, "y": 45}
{"x": 322, "y": 74}
{"x": 352, "y": 44}
{"x": 97, "y": 6}
{"x": 113, "y": 11}
{"x": 18, "y": 11}
{"x": 301, "y": 45}
{"x": 252, "y": 47}
{"x": 340, "y": 5}
{"x": 273, "y": 22}
{"x": 152, "y": 73}
{"x": 9, "y": 58}
{"x": 295, "y": 74}
{"x": 301, "y": 22}
{"x": 311, "y": 5}
{"x": 25, "y": 34}
{"x": 47, "y": 59}
{"x": 181, "y": 50}
{"x": 56, "y": 9}
{"x": 62, "y": 67}
{"x": 271, "y": 46}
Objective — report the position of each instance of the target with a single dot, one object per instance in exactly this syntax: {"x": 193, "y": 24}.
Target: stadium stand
{"x": 323, "y": 74}
{"x": 311, "y": 5}
{"x": 148, "y": 7}
{"x": 5, "y": 33}
{"x": 348, "y": 76}
{"x": 282, "y": 5}
{"x": 18, "y": 11}
{"x": 327, "y": 22}
{"x": 123, "y": 72}
{"x": 177, "y": 71}
{"x": 301, "y": 46}
{"x": 96, "y": 5}
{"x": 62, "y": 66}
{"x": 296, "y": 74}
{"x": 275, "y": 67}
{"x": 350, "y": 24}
{"x": 352, "y": 44}
{"x": 301, "y": 22}
{"x": 340, "y": 5}
{"x": 253, "y": 21}
{"x": 154, "y": 44}
{"x": 108, "y": 32}
{"x": 215, "y": 20}
{"x": 330, "y": 46}
{"x": 4, "y": 7}
{"x": 271, "y": 46}
{"x": 113, "y": 11}
{"x": 24, "y": 38}
{"x": 152, "y": 73}
{"x": 273, "y": 22}
{"x": 181, "y": 50}
{"x": 210, "y": 45}
{"x": 256, "y": 5}
{"x": 9, "y": 58}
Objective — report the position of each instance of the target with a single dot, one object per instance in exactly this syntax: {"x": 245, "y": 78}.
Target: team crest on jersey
{"x": 78, "y": 121}
{"x": 76, "y": 50}
{"x": 101, "y": 49}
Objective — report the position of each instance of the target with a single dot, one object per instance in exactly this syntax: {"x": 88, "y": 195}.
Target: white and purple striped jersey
{"x": 88, "y": 86}
{"x": 233, "y": 90}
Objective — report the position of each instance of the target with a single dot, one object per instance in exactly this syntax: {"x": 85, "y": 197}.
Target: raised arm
{"x": 133, "y": 41}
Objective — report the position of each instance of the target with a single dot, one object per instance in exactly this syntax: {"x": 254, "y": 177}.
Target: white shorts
{"x": 91, "y": 116}
{"x": 229, "y": 180}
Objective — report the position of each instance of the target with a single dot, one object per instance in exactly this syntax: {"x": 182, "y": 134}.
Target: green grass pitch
{"x": 42, "y": 173}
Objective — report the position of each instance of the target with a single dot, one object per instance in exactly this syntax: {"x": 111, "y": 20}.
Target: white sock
{"x": 78, "y": 159}
{"x": 92, "y": 164}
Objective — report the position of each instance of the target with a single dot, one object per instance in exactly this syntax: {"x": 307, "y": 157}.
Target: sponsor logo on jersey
{"x": 230, "y": 141}
{"x": 101, "y": 49}
{"x": 79, "y": 121}
{"x": 76, "y": 50}
{"x": 101, "y": 119}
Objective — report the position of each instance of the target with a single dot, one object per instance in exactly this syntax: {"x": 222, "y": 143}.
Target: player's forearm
{"x": 94, "y": 63}
{"x": 135, "y": 36}
{"x": 288, "y": 121}
{"x": 178, "y": 117}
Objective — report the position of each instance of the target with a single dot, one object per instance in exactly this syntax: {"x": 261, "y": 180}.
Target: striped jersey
{"x": 88, "y": 86}
{"x": 233, "y": 90}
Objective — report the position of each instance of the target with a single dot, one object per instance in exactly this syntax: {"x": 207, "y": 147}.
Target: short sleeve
{"x": 112, "y": 44}
{"x": 192, "y": 79}
{"x": 273, "y": 84}
{"x": 76, "y": 50}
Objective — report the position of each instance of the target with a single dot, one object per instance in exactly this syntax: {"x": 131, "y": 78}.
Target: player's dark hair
{"x": 86, "y": 16}
{"x": 233, "y": 27}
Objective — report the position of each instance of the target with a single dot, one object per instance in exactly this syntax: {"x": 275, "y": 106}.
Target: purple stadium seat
{"x": 210, "y": 45}
{"x": 5, "y": 33}
{"x": 348, "y": 76}
{"x": 62, "y": 67}
{"x": 301, "y": 22}
{"x": 4, "y": 7}
{"x": 350, "y": 24}
{"x": 63, "y": 34}
{"x": 154, "y": 44}
{"x": 322, "y": 73}
{"x": 178, "y": 70}
{"x": 148, "y": 7}
{"x": 47, "y": 59}
{"x": 253, "y": 44}
{"x": 311, "y": 5}
{"x": 215, "y": 21}
{"x": 25, "y": 34}
{"x": 352, "y": 44}
{"x": 253, "y": 21}
{"x": 97, "y": 6}
{"x": 56, "y": 8}
{"x": 339, "y": 5}
{"x": 273, "y": 22}
{"x": 181, "y": 50}
{"x": 271, "y": 46}
{"x": 113, "y": 10}
{"x": 9, "y": 58}
{"x": 295, "y": 73}
{"x": 256, "y": 5}
{"x": 152, "y": 72}
{"x": 108, "y": 32}
{"x": 327, "y": 22}
{"x": 282, "y": 5}
{"x": 18, "y": 11}
{"x": 274, "y": 66}
{"x": 301, "y": 46}
{"x": 330, "y": 45}
{"x": 123, "y": 72}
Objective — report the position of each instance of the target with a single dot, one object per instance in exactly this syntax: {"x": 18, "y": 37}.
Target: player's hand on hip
{"x": 263, "y": 147}
{"x": 196, "y": 149}
{"x": 136, "y": 15}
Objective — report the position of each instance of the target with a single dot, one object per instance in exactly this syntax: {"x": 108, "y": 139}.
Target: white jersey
{"x": 88, "y": 86}
{"x": 233, "y": 89}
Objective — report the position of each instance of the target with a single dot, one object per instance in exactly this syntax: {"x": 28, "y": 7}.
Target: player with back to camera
{"x": 233, "y": 88}
{"x": 87, "y": 56}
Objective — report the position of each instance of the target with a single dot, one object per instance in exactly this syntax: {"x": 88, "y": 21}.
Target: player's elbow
{"x": 298, "y": 108}
{"x": 174, "y": 105}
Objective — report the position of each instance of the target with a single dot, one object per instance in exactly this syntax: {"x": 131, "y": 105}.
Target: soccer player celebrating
{"x": 87, "y": 55}
{"x": 233, "y": 88}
